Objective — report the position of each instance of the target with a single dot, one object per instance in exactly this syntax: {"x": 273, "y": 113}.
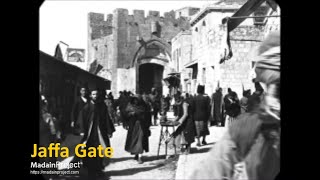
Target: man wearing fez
{"x": 98, "y": 129}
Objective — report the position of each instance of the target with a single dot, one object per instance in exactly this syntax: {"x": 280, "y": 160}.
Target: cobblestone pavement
{"x": 123, "y": 166}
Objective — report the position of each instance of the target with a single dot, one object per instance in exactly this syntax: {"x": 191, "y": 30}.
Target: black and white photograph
{"x": 166, "y": 90}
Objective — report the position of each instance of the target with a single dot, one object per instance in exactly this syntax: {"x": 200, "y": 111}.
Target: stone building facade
{"x": 272, "y": 23}
{"x": 181, "y": 55}
{"x": 186, "y": 12}
{"x": 134, "y": 50}
{"x": 208, "y": 40}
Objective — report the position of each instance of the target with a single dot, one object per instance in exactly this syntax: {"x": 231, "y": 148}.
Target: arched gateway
{"x": 152, "y": 62}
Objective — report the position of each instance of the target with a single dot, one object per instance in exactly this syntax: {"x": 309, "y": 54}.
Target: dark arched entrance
{"x": 150, "y": 75}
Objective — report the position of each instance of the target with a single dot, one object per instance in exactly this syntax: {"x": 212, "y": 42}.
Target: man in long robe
{"x": 216, "y": 107}
{"x": 137, "y": 140}
{"x": 98, "y": 129}
{"x": 156, "y": 103}
{"x": 78, "y": 105}
{"x": 201, "y": 114}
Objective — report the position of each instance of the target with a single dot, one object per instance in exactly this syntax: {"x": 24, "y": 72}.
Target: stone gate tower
{"x": 134, "y": 51}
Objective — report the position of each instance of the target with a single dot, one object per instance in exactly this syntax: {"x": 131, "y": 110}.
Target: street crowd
{"x": 248, "y": 150}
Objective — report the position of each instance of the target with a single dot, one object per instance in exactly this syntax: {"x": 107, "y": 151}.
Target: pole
{"x": 243, "y": 17}
{"x": 64, "y": 43}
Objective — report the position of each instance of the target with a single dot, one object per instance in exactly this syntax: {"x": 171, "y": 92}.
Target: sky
{"x": 67, "y": 20}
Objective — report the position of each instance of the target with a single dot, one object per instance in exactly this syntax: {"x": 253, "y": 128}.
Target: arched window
{"x": 196, "y": 29}
{"x": 204, "y": 23}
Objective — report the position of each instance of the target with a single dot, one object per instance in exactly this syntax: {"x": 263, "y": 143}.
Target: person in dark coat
{"x": 78, "y": 105}
{"x": 186, "y": 130}
{"x": 122, "y": 104}
{"x": 98, "y": 129}
{"x": 232, "y": 106}
{"x": 137, "y": 140}
{"x": 201, "y": 114}
{"x": 255, "y": 99}
{"x": 112, "y": 114}
{"x": 156, "y": 103}
{"x": 216, "y": 107}
{"x": 110, "y": 96}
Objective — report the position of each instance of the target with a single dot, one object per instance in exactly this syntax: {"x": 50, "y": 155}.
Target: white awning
{"x": 189, "y": 65}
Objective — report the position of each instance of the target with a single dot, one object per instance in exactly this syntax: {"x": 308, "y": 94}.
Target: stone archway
{"x": 157, "y": 42}
{"x": 150, "y": 62}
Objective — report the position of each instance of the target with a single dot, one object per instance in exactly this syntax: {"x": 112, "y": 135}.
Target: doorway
{"x": 150, "y": 75}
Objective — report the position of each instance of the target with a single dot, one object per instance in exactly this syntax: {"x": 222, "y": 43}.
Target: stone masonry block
{"x": 154, "y": 13}
{"x": 139, "y": 16}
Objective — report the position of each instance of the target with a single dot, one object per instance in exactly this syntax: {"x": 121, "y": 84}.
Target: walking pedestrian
{"x": 137, "y": 140}
{"x": 98, "y": 129}
{"x": 122, "y": 103}
{"x": 216, "y": 107}
{"x": 78, "y": 105}
{"x": 201, "y": 114}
